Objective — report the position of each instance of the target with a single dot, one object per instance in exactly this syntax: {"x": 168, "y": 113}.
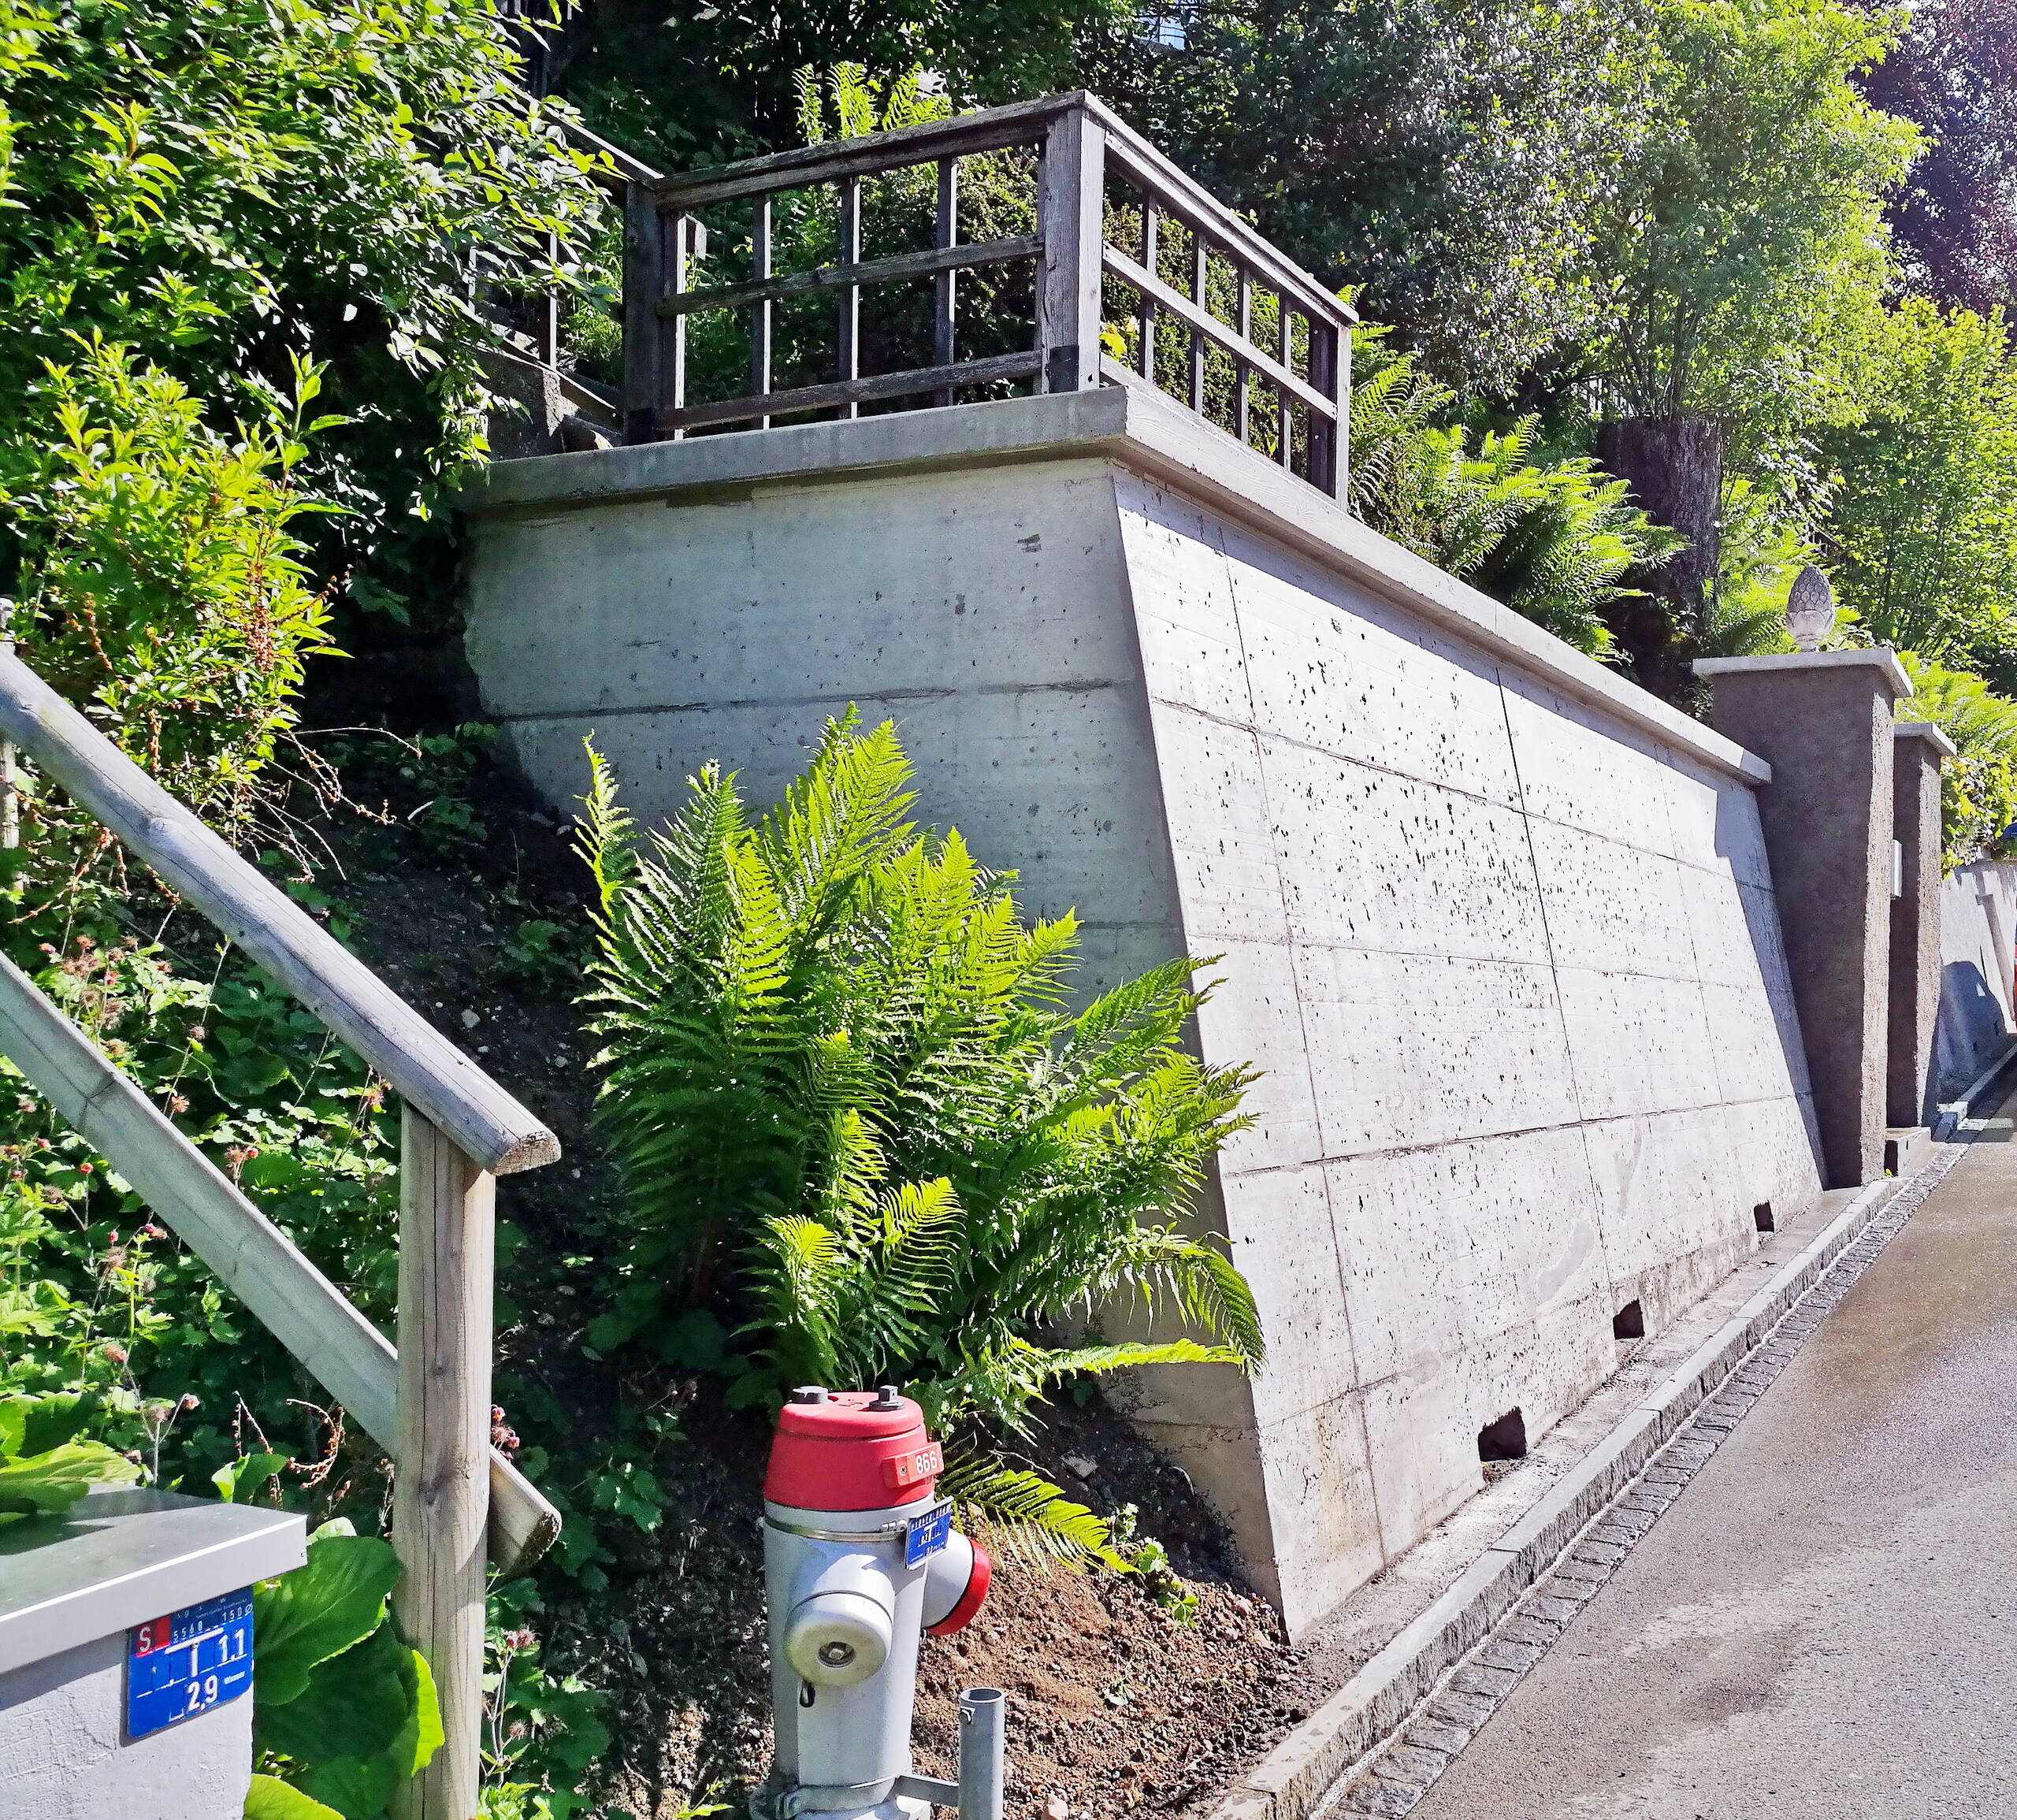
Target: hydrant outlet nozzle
{"x": 834, "y": 1639}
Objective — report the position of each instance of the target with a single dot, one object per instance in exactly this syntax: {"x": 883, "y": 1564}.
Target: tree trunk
{"x": 1673, "y": 466}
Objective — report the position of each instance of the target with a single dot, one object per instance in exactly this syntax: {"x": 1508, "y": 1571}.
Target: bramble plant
{"x": 840, "y": 1071}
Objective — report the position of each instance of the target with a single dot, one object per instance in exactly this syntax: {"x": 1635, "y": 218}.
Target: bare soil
{"x": 1115, "y": 1704}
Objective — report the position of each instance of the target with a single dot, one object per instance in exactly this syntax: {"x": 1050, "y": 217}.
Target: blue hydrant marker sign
{"x": 924, "y": 1536}
{"x": 187, "y": 1663}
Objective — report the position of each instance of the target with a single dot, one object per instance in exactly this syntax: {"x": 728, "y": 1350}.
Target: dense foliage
{"x": 839, "y": 1065}
{"x": 1953, "y": 74}
{"x": 228, "y": 188}
{"x": 343, "y": 1710}
{"x": 1447, "y": 158}
{"x": 1923, "y": 522}
{"x": 1740, "y": 253}
{"x": 1681, "y": 295}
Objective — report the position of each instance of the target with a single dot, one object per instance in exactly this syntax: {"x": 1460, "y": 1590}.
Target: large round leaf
{"x": 35, "y": 1424}
{"x": 318, "y": 1611}
{"x": 270, "y": 1799}
{"x": 368, "y": 1719}
{"x": 40, "y": 1484}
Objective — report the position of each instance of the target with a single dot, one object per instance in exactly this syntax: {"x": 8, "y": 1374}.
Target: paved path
{"x": 1824, "y": 1625}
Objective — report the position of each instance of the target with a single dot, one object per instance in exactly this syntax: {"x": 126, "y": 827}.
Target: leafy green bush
{"x": 839, "y": 1065}
{"x": 1978, "y": 785}
{"x": 1552, "y": 538}
{"x": 1924, "y": 518}
{"x": 221, "y": 185}
{"x": 157, "y": 578}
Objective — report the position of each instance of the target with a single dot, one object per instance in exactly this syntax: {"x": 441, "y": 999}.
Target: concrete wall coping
{"x": 1925, "y": 730}
{"x": 1143, "y": 431}
{"x": 1875, "y": 656}
{"x": 122, "y": 1557}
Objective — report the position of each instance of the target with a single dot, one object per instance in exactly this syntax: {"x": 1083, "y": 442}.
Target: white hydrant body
{"x": 859, "y": 1559}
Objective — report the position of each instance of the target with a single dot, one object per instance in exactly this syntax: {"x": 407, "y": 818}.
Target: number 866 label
{"x": 187, "y": 1663}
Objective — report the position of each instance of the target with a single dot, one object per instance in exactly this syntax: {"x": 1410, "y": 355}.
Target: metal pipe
{"x": 983, "y": 1714}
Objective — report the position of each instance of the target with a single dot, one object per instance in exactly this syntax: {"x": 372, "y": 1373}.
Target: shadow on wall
{"x": 1761, "y": 919}
{"x": 1972, "y": 1028}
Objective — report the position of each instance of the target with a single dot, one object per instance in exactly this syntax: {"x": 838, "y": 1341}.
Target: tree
{"x": 1954, "y": 75}
{"x": 225, "y": 187}
{"x": 1447, "y": 158}
{"x": 1744, "y": 261}
{"x": 684, "y": 85}
{"x": 1924, "y": 519}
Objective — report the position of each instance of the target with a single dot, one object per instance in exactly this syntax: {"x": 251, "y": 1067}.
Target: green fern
{"x": 838, "y": 1057}
{"x": 1553, "y": 538}
{"x": 1022, "y": 1515}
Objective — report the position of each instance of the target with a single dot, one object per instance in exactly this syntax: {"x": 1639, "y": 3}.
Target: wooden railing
{"x": 1131, "y": 273}
{"x": 455, "y": 1498}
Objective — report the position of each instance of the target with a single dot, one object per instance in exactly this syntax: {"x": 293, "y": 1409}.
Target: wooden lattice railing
{"x": 1121, "y": 270}
{"x": 455, "y": 1498}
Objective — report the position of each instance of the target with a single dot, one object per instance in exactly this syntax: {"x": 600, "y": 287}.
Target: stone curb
{"x": 1953, "y": 1111}
{"x": 1294, "y": 1778}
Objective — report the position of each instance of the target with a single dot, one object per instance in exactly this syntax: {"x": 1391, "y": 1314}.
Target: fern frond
{"x": 1125, "y": 1355}
{"x": 1025, "y": 1518}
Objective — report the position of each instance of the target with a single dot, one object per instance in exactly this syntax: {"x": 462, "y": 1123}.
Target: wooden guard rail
{"x": 1093, "y": 171}
{"x": 428, "y": 1403}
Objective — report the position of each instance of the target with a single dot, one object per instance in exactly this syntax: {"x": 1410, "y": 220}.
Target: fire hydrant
{"x": 859, "y": 1558}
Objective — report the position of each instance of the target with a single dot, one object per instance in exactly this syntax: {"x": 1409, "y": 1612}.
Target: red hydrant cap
{"x": 851, "y": 1450}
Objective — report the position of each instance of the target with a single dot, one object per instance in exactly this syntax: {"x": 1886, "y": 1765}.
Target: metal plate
{"x": 924, "y": 1536}
{"x": 187, "y": 1663}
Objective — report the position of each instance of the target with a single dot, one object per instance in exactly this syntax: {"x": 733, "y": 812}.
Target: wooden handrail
{"x": 1167, "y": 297}
{"x": 242, "y": 1248}
{"x": 428, "y": 1402}
{"x": 422, "y": 1065}
{"x": 918, "y": 265}
{"x": 1182, "y": 195}
{"x": 993, "y": 129}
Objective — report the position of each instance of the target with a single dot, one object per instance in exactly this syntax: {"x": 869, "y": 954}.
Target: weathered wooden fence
{"x": 1136, "y": 276}
{"x": 456, "y": 1498}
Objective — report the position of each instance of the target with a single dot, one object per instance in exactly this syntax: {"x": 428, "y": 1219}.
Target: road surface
{"x": 1824, "y": 1625}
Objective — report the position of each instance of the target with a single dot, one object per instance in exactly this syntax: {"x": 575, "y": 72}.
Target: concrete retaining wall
{"x": 1978, "y": 927}
{"x": 1499, "y": 927}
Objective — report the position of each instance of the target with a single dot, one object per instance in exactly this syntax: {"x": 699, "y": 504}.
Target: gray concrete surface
{"x": 1824, "y": 1625}
{"x": 1499, "y": 935}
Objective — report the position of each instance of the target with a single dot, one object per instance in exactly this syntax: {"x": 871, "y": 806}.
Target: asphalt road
{"x": 1824, "y": 1625}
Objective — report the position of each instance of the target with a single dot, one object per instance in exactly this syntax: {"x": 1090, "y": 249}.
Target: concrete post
{"x": 1822, "y": 720}
{"x": 1918, "y": 747}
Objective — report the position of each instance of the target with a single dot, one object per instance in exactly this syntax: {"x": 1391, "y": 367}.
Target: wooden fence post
{"x": 441, "y": 1498}
{"x": 1071, "y": 219}
{"x": 647, "y": 278}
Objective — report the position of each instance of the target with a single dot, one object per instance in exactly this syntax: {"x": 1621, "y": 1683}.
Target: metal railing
{"x": 1120, "y": 270}
{"x": 456, "y": 1497}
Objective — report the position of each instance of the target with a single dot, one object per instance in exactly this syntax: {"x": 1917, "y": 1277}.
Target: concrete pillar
{"x": 1918, "y": 747}
{"x": 1822, "y": 720}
